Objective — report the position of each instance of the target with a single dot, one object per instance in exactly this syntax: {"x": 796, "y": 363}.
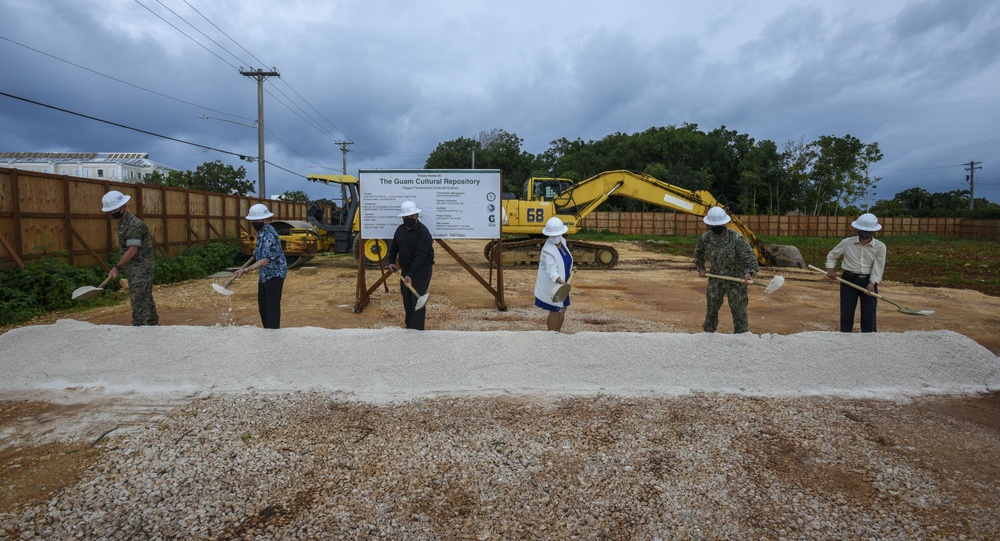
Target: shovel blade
{"x": 221, "y": 290}
{"x": 560, "y": 292}
{"x": 774, "y": 285}
{"x": 909, "y": 311}
{"x": 86, "y": 292}
{"x": 421, "y": 301}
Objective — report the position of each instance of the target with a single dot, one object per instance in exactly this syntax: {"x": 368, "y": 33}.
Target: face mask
{"x": 257, "y": 226}
{"x": 556, "y": 240}
{"x": 118, "y": 213}
{"x": 864, "y": 235}
{"x": 718, "y": 229}
{"x": 409, "y": 222}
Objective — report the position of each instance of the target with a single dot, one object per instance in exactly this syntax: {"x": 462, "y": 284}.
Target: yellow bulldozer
{"x": 337, "y": 232}
{"x": 572, "y": 201}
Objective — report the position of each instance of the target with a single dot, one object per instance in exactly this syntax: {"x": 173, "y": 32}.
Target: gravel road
{"x": 312, "y": 433}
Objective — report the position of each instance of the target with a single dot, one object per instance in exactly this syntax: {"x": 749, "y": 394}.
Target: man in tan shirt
{"x": 863, "y": 263}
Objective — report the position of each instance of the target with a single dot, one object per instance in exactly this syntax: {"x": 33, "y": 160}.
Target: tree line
{"x": 828, "y": 176}
{"x": 831, "y": 175}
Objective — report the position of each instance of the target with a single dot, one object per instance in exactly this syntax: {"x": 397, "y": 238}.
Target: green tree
{"x": 210, "y": 177}
{"x": 454, "y": 154}
{"x": 760, "y": 171}
{"x": 296, "y": 196}
{"x": 865, "y": 184}
{"x": 840, "y": 173}
{"x": 220, "y": 178}
{"x": 493, "y": 149}
{"x": 913, "y": 199}
{"x": 797, "y": 159}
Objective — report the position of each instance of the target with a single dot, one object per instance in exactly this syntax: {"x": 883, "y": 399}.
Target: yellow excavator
{"x": 573, "y": 201}
{"x": 337, "y": 232}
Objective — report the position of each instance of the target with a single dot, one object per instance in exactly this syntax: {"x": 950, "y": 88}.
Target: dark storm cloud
{"x": 399, "y": 78}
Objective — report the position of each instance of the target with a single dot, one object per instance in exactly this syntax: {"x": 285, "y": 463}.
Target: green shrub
{"x": 48, "y": 284}
{"x": 198, "y": 262}
{"x": 43, "y": 285}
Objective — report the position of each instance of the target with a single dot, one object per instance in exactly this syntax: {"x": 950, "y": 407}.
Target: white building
{"x": 117, "y": 166}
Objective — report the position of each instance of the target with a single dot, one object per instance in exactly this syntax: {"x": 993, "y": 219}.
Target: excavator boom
{"x": 572, "y": 202}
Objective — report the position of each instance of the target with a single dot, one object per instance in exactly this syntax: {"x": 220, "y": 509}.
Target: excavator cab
{"x": 545, "y": 189}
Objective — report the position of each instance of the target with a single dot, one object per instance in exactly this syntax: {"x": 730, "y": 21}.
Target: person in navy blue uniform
{"x": 412, "y": 253}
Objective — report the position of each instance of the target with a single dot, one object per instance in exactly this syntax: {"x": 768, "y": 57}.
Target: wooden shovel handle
{"x": 405, "y": 283}
{"x": 245, "y": 265}
{"x": 845, "y": 282}
{"x": 732, "y": 279}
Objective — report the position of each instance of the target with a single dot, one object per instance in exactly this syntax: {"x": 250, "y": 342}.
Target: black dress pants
{"x": 849, "y": 298}
{"x": 415, "y": 318}
{"x": 269, "y": 302}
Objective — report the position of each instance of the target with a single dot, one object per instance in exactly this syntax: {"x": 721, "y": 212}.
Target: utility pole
{"x": 260, "y": 75}
{"x": 971, "y": 178}
{"x": 343, "y": 150}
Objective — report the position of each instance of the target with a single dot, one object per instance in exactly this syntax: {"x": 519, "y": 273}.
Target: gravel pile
{"x": 389, "y": 434}
{"x": 394, "y": 364}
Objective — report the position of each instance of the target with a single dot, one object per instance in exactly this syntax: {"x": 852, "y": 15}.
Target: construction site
{"x": 631, "y": 424}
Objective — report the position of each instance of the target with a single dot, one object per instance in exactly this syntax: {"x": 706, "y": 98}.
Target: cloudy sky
{"x": 396, "y": 78}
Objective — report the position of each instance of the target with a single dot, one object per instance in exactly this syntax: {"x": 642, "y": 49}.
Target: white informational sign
{"x": 453, "y": 203}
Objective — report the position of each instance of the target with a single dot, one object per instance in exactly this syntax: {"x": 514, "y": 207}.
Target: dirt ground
{"x": 646, "y": 292}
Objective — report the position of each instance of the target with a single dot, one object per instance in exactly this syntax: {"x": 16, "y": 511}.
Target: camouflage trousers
{"x": 141, "y": 296}
{"x": 737, "y": 294}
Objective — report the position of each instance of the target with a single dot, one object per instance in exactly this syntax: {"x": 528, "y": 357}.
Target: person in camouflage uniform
{"x": 136, "y": 262}
{"x": 730, "y": 255}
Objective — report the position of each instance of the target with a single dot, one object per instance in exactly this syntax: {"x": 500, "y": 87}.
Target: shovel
{"x": 769, "y": 287}
{"x": 87, "y": 292}
{"x": 224, "y": 290}
{"x": 421, "y": 299}
{"x": 561, "y": 291}
{"x": 902, "y": 308}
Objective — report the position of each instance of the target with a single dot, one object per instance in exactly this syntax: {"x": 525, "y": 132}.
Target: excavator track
{"x": 526, "y": 252}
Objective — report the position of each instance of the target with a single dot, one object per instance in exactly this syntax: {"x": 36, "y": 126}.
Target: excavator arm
{"x": 576, "y": 201}
{"x": 585, "y": 196}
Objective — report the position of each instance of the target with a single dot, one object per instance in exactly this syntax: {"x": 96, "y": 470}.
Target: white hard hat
{"x": 259, "y": 212}
{"x": 114, "y": 200}
{"x": 408, "y": 208}
{"x": 554, "y": 227}
{"x": 717, "y": 216}
{"x": 866, "y": 222}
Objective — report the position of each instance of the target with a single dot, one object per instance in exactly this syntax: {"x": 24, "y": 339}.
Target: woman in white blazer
{"x": 554, "y": 266}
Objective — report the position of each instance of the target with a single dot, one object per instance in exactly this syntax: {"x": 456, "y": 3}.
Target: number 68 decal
{"x": 536, "y": 215}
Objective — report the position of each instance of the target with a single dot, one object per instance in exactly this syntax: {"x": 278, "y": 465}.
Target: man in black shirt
{"x": 412, "y": 253}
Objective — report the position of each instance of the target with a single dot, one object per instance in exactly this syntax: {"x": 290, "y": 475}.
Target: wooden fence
{"x": 50, "y": 215}
{"x": 676, "y": 224}
{"x": 60, "y": 216}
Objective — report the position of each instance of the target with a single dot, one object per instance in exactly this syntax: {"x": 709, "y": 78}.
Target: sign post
{"x": 454, "y": 204}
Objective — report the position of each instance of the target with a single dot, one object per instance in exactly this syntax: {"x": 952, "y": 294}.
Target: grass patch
{"x": 921, "y": 260}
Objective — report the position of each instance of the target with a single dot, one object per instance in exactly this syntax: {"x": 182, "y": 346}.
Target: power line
{"x": 876, "y": 168}
{"x": 160, "y": 94}
{"x": 117, "y": 80}
{"x": 311, "y": 122}
{"x": 184, "y": 33}
{"x": 60, "y": 109}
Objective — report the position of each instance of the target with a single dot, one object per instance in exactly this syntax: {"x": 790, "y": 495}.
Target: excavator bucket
{"x": 785, "y": 255}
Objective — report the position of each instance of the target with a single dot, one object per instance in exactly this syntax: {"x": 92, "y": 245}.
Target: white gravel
{"x": 394, "y": 364}
{"x": 308, "y": 433}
